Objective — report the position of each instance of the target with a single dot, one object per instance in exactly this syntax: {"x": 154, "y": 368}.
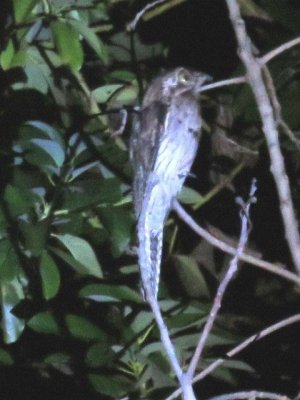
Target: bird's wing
{"x": 145, "y": 141}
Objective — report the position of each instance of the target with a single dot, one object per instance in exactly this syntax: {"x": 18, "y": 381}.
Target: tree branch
{"x": 273, "y": 268}
{"x": 165, "y": 338}
{"x": 139, "y": 15}
{"x": 225, "y": 281}
{"x": 225, "y": 82}
{"x": 253, "y": 394}
{"x": 237, "y": 349}
{"x": 256, "y": 82}
{"x": 280, "y": 49}
{"x": 186, "y": 386}
{"x": 263, "y": 60}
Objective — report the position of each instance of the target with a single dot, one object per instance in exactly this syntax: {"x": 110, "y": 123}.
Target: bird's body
{"x": 163, "y": 147}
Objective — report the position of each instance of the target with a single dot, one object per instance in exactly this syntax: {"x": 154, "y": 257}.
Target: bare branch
{"x": 255, "y": 80}
{"x": 224, "y": 283}
{"x": 263, "y": 60}
{"x": 280, "y": 49}
{"x": 252, "y": 339}
{"x": 225, "y": 82}
{"x": 273, "y": 268}
{"x": 139, "y": 15}
{"x": 164, "y": 334}
{"x": 253, "y": 394}
{"x": 185, "y": 385}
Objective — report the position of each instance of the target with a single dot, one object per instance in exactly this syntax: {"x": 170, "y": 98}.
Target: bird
{"x": 163, "y": 145}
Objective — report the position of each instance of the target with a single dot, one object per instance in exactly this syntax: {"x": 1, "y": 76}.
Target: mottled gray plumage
{"x": 163, "y": 146}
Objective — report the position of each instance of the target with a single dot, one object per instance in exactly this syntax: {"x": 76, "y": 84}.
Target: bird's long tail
{"x": 154, "y": 211}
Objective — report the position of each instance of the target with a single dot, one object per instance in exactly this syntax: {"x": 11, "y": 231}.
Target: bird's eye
{"x": 183, "y": 77}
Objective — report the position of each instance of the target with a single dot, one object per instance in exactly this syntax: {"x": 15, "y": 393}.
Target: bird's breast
{"x": 178, "y": 146}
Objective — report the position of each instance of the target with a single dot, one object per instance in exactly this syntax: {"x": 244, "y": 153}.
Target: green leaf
{"x": 83, "y": 329}
{"x": 126, "y": 95}
{"x": 35, "y": 235}
{"x": 189, "y": 196}
{"x": 42, "y": 145}
{"x": 225, "y": 375}
{"x": 36, "y": 78}
{"x": 7, "y": 55}
{"x": 52, "y": 148}
{"x": 22, "y": 8}
{"x": 82, "y": 252}
{"x": 8, "y": 261}
{"x": 11, "y": 295}
{"x": 119, "y": 224}
{"x": 5, "y": 358}
{"x": 50, "y": 276}
{"x": 70, "y": 260}
{"x": 109, "y": 293}
{"x": 110, "y": 386}
{"x": 185, "y": 320}
{"x": 99, "y": 354}
{"x": 10, "y": 58}
{"x": 159, "y": 370}
{"x": 92, "y": 39}
{"x": 68, "y": 44}
{"x": 287, "y": 15}
{"x": 92, "y": 192}
{"x": 122, "y": 75}
{"x": 44, "y": 322}
{"x": 143, "y": 320}
{"x": 103, "y": 93}
{"x": 239, "y": 365}
{"x": 81, "y": 170}
{"x": 189, "y": 341}
{"x": 250, "y": 9}
{"x": 57, "y": 358}
{"x": 40, "y": 159}
{"x": 35, "y": 128}
{"x": 20, "y": 200}
{"x": 191, "y": 276}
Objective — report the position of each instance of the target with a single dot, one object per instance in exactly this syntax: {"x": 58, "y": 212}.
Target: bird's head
{"x": 182, "y": 80}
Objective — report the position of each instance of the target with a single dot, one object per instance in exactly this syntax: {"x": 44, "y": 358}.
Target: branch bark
{"x": 252, "y": 394}
{"x": 273, "y": 268}
{"x": 255, "y": 79}
{"x": 237, "y": 349}
{"x": 224, "y": 283}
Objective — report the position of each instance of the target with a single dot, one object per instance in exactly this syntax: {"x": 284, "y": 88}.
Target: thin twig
{"x": 224, "y": 283}
{"x": 256, "y": 82}
{"x": 280, "y": 49}
{"x": 273, "y": 268}
{"x": 164, "y": 334}
{"x": 225, "y": 82}
{"x": 263, "y": 60}
{"x": 186, "y": 387}
{"x": 252, "y": 339}
{"x": 139, "y": 15}
{"x": 252, "y": 394}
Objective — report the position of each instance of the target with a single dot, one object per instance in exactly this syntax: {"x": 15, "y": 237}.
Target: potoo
{"x": 163, "y": 146}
